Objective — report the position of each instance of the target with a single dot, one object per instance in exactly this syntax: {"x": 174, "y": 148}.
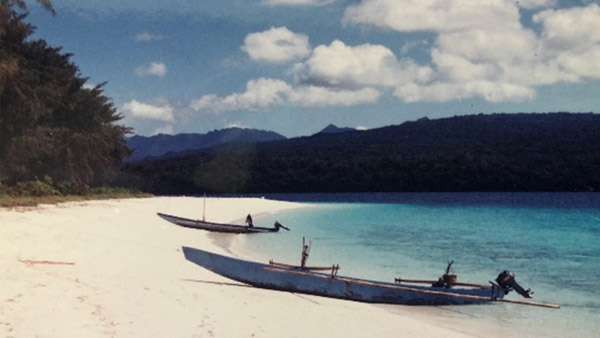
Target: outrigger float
{"x": 310, "y": 280}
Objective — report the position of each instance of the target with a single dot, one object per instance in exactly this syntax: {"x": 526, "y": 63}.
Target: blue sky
{"x": 294, "y": 66}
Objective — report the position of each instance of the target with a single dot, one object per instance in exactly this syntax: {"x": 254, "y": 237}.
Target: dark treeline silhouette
{"x": 53, "y": 129}
{"x": 499, "y": 152}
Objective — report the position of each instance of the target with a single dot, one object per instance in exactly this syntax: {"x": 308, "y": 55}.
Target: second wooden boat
{"x": 304, "y": 279}
{"x": 294, "y": 279}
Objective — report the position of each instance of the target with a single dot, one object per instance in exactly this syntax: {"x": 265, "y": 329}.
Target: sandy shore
{"x": 115, "y": 269}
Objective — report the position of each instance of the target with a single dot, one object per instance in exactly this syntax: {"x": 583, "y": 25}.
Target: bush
{"x": 108, "y": 191}
{"x": 67, "y": 188}
{"x": 33, "y": 188}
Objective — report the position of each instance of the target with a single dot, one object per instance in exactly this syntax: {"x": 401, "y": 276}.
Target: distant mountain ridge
{"x": 162, "y": 144}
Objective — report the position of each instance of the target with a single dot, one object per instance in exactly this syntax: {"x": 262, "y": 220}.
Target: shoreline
{"x": 112, "y": 268}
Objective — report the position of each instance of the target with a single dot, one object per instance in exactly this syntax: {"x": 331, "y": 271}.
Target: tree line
{"x": 498, "y": 152}
{"x": 54, "y": 128}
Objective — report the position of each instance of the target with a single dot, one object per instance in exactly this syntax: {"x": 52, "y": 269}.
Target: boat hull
{"x": 216, "y": 227}
{"x": 323, "y": 284}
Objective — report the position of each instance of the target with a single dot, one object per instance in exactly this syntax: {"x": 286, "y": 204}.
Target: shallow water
{"x": 550, "y": 241}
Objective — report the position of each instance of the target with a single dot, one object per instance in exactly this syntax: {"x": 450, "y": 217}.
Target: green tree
{"x": 52, "y": 127}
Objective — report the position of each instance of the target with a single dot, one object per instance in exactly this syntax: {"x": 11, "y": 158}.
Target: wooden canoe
{"x": 294, "y": 279}
{"x": 218, "y": 227}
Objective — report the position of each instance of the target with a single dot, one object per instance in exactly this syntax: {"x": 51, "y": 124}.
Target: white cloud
{"x": 297, "y": 2}
{"x": 570, "y": 42}
{"x": 481, "y": 48}
{"x": 411, "y": 45}
{"x": 260, "y": 94}
{"x": 432, "y": 15}
{"x": 154, "y": 69}
{"x": 450, "y": 91}
{"x": 497, "y": 45}
{"x": 237, "y": 125}
{"x": 530, "y": 4}
{"x": 574, "y": 29}
{"x": 276, "y": 45}
{"x": 339, "y": 65}
{"x": 167, "y": 129}
{"x": 163, "y": 112}
{"x": 313, "y": 96}
{"x": 145, "y": 37}
{"x": 492, "y": 57}
{"x": 504, "y": 56}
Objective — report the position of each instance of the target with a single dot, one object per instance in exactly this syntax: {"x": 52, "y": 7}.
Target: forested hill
{"x": 500, "y": 152}
{"x": 157, "y": 145}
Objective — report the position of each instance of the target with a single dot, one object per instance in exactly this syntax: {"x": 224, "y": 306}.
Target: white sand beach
{"x": 114, "y": 269}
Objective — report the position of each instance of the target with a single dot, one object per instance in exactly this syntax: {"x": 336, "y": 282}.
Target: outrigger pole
{"x": 430, "y": 292}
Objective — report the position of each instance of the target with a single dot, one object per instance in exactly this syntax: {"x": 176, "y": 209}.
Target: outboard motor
{"x": 506, "y": 280}
{"x": 279, "y": 225}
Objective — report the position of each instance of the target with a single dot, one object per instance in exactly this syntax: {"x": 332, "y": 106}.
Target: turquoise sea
{"x": 551, "y": 241}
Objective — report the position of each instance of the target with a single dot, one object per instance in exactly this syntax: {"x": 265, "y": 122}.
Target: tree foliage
{"x": 52, "y": 126}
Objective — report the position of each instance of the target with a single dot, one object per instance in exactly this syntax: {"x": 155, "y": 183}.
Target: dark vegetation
{"x": 499, "y": 152}
{"x": 57, "y": 136}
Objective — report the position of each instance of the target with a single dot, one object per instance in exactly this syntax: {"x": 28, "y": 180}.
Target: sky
{"x": 295, "y": 66}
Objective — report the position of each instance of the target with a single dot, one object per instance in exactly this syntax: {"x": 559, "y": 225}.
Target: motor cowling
{"x": 506, "y": 280}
